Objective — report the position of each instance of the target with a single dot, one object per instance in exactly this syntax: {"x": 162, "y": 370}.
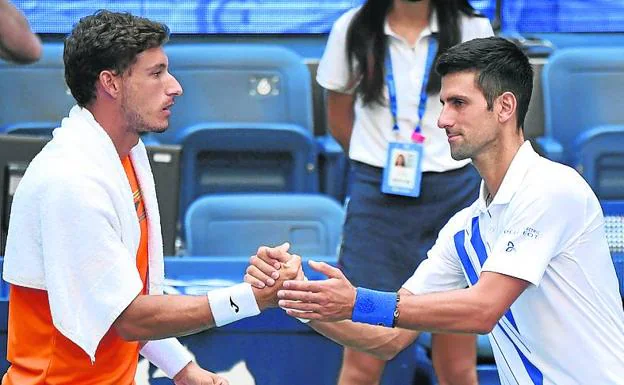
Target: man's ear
{"x": 109, "y": 83}
{"x": 507, "y": 107}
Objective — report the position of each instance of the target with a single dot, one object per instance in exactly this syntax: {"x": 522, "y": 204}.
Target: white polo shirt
{"x": 545, "y": 226}
{"x": 372, "y": 129}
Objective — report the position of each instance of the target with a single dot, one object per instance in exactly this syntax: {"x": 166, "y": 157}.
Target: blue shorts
{"x": 385, "y": 237}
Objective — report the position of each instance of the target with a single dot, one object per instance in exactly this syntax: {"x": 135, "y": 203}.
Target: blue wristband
{"x": 374, "y": 307}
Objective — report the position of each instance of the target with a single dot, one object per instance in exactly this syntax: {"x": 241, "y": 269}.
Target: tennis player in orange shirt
{"x": 84, "y": 250}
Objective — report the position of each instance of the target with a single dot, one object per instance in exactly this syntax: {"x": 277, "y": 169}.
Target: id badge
{"x": 403, "y": 171}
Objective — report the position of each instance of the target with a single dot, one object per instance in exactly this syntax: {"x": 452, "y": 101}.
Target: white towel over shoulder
{"x": 74, "y": 230}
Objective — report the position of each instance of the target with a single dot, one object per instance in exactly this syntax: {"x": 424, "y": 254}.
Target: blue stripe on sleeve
{"x": 477, "y": 242}
{"x": 463, "y": 256}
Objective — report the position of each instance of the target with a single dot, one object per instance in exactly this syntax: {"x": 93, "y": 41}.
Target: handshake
{"x": 277, "y": 279}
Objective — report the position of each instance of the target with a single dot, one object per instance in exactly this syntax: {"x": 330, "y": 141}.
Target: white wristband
{"x": 169, "y": 355}
{"x": 232, "y": 303}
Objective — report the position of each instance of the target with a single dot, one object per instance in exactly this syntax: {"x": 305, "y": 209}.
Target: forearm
{"x": 457, "y": 311}
{"x": 151, "y": 317}
{"x": 382, "y": 342}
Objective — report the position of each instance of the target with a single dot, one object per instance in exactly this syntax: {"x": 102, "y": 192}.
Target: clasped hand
{"x": 331, "y": 299}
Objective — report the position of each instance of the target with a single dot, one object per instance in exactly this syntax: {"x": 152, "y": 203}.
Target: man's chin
{"x": 154, "y": 130}
{"x": 459, "y": 155}
{"x": 160, "y": 130}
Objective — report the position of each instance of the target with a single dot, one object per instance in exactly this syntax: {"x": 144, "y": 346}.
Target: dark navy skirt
{"x": 385, "y": 237}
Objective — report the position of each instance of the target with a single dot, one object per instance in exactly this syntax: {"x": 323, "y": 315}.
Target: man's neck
{"x": 115, "y": 127}
{"x": 494, "y": 164}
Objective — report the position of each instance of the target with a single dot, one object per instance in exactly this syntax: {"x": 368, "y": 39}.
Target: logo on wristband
{"x": 234, "y": 306}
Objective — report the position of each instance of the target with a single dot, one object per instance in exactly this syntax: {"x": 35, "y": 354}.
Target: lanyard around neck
{"x": 433, "y": 49}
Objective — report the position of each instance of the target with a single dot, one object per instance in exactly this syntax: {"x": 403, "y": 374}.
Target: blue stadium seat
{"x": 35, "y": 93}
{"x": 246, "y": 157}
{"x": 582, "y": 89}
{"x": 600, "y": 159}
{"x": 614, "y": 227}
{"x": 333, "y": 168}
{"x": 247, "y": 83}
{"x": 236, "y": 224}
{"x": 238, "y": 83}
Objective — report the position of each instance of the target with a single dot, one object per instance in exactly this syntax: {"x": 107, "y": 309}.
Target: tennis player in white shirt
{"x": 527, "y": 263}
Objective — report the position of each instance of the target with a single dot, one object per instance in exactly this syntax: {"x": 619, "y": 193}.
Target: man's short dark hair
{"x": 500, "y": 67}
{"x": 106, "y": 41}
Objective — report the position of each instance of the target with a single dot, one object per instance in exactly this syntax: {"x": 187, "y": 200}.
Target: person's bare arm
{"x": 472, "y": 310}
{"x": 150, "y": 317}
{"x": 17, "y": 42}
{"x": 340, "y": 117}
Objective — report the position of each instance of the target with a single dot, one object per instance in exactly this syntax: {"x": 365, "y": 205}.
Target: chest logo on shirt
{"x": 510, "y": 247}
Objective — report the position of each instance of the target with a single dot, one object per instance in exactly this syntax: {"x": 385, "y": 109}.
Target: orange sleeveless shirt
{"x": 40, "y": 354}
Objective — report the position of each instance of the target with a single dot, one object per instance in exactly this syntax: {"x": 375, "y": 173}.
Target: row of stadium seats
{"x": 245, "y": 123}
{"x": 245, "y": 120}
{"x": 584, "y": 122}
{"x": 222, "y": 83}
{"x": 248, "y": 109}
